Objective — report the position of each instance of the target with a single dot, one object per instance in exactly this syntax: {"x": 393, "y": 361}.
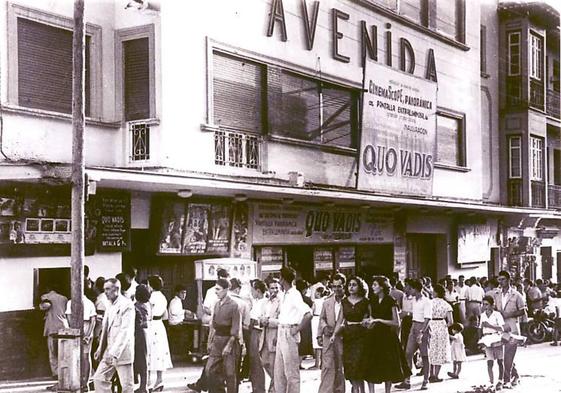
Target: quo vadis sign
{"x": 398, "y": 132}
{"x": 294, "y": 224}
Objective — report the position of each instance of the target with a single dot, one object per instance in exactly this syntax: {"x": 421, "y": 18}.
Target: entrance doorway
{"x": 375, "y": 260}
{"x": 422, "y": 255}
{"x": 301, "y": 259}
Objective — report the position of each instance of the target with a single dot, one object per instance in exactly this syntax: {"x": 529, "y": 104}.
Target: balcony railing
{"x": 538, "y": 193}
{"x": 139, "y": 141}
{"x": 553, "y": 105}
{"x": 554, "y": 196}
{"x": 536, "y": 99}
{"x": 513, "y": 90}
{"x": 237, "y": 149}
{"x": 514, "y": 187}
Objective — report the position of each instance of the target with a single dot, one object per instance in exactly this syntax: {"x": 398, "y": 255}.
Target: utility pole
{"x": 78, "y": 172}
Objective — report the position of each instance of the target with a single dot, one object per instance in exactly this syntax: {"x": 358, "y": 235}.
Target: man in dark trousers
{"x": 224, "y": 343}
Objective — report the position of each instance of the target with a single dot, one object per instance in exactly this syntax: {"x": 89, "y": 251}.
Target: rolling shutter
{"x": 45, "y": 67}
{"x": 137, "y": 79}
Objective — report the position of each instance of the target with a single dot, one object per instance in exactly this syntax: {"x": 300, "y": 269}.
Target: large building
{"x": 368, "y": 136}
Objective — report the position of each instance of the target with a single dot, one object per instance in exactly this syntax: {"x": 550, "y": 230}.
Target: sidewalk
{"x": 537, "y": 364}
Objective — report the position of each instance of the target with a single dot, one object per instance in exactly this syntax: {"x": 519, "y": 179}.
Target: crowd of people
{"x": 376, "y": 333}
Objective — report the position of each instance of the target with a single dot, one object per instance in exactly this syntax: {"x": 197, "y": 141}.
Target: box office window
{"x": 238, "y": 93}
{"x": 450, "y": 139}
{"x": 515, "y": 157}
{"x": 136, "y": 78}
{"x": 45, "y": 67}
{"x": 314, "y": 111}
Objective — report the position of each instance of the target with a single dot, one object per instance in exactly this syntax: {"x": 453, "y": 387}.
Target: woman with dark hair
{"x": 305, "y": 348}
{"x": 143, "y": 315}
{"x": 355, "y": 310}
{"x": 159, "y": 358}
{"x": 439, "y": 340}
{"x": 390, "y": 365}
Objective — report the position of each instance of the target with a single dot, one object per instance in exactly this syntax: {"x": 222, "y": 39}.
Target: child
{"x": 491, "y": 324}
{"x": 457, "y": 348}
{"x": 316, "y": 309}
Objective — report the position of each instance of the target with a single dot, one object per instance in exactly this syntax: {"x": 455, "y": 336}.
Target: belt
{"x": 222, "y": 330}
{"x": 157, "y": 318}
{"x": 437, "y": 319}
{"x": 418, "y": 321}
{"x": 474, "y": 301}
{"x": 289, "y": 325}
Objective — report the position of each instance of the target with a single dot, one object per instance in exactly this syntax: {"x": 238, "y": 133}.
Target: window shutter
{"x": 238, "y": 93}
{"x": 136, "y": 79}
{"x": 447, "y": 141}
{"x": 45, "y": 67}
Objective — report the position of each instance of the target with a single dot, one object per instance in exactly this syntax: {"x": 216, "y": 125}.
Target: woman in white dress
{"x": 159, "y": 358}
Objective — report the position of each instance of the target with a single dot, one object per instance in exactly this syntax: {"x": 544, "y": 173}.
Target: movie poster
{"x": 173, "y": 222}
{"x": 219, "y": 229}
{"x": 240, "y": 246}
{"x": 196, "y": 229}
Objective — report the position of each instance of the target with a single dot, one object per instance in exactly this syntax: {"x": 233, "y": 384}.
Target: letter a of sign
{"x": 277, "y": 15}
{"x": 431, "y": 67}
{"x": 310, "y": 29}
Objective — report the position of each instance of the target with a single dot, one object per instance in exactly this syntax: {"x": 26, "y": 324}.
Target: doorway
{"x": 422, "y": 255}
{"x": 301, "y": 259}
{"x": 375, "y": 260}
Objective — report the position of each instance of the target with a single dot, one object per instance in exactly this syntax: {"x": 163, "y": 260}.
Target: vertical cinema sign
{"x": 398, "y": 140}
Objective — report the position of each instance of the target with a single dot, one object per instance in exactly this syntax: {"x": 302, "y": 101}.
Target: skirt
{"x": 385, "y": 359}
{"x": 315, "y": 326}
{"x": 354, "y": 345}
{"x": 159, "y": 358}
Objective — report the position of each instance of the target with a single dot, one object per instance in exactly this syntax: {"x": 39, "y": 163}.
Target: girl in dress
{"x": 316, "y": 311}
{"x": 355, "y": 309}
{"x": 143, "y": 316}
{"x": 385, "y": 361}
{"x": 439, "y": 341}
{"x": 159, "y": 358}
{"x": 458, "y": 349}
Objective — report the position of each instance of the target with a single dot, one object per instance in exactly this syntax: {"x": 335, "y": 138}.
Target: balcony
{"x": 553, "y": 104}
{"x": 236, "y": 149}
{"x": 538, "y": 193}
{"x": 513, "y": 90}
{"x": 514, "y": 187}
{"x": 536, "y": 98}
{"x": 554, "y": 196}
{"x": 139, "y": 141}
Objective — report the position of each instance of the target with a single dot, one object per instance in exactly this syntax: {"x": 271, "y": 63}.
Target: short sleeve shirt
{"x": 292, "y": 308}
{"x": 89, "y": 308}
{"x": 422, "y": 309}
{"x": 495, "y": 319}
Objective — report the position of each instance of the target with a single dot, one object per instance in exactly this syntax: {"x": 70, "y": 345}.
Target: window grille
{"x": 237, "y": 149}
{"x": 139, "y": 141}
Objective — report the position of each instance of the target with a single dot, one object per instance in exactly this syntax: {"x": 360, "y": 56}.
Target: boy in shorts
{"x": 491, "y": 324}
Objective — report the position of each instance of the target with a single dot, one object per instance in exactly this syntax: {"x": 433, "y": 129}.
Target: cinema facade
{"x": 345, "y": 135}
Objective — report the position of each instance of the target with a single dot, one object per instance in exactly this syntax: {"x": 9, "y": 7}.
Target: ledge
{"x": 409, "y": 23}
{"x": 348, "y": 151}
{"x": 55, "y": 115}
{"x": 451, "y": 167}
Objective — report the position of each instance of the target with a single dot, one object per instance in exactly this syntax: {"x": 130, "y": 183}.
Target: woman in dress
{"x": 318, "y": 298}
{"x": 355, "y": 310}
{"x": 387, "y": 364}
{"x": 439, "y": 340}
{"x": 143, "y": 316}
{"x": 159, "y": 358}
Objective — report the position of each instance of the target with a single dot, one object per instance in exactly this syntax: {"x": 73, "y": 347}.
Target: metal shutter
{"x": 137, "y": 79}
{"x": 45, "y": 67}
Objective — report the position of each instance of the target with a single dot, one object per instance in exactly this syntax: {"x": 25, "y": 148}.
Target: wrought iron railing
{"x": 139, "y": 141}
{"x": 514, "y": 187}
{"x": 553, "y": 104}
{"x": 237, "y": 149}
{"x": 538, "y": 193}
{"x": 554, "y": 196}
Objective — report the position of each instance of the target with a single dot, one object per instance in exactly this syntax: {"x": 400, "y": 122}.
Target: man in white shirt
{"x": 130, "y": 277}
{"x": 419, "y": 335}
{"x": 474, "y": 298}
{"x": 269, "y": 321}
{"x": 294, "y": 314}
{"x": 462, "y": 290}
{"x": 256, "y": 371}
{"x": 176, "y": 312}
{"x": 492, "y": 323}
{"x": 90, "y": 315}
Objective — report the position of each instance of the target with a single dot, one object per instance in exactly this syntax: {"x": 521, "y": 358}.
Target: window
{"x": 136, "y": 79}
{"x": 314, "y": 111}
{"x": 557, "y": 167}
{"x": 135, "y": 69}
{"x": 536, "y": 56}
{"x": 555, "y": 76}
{"x": 483, "y": 49}
{"x": 45, "y": 67}
{"x": 537, "y": 155}
{"x": 238, "y": 93}
{"x": 257, "y": 98}
{"x": 515, "y": 157}
{"x": 514, "y": 53}
{"x": 450, "y": 143}
{"x": 443, "y": 16}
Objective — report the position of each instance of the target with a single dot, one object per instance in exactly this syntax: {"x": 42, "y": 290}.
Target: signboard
{"x": 474, "y": 243}
{"x": 271, "y": 259}
{"x": 398, "y": 143}
{"x": 219, "y": 229}
{"x": 240, "y": 243}
{"x": 295, "y": 224}
{"x": 113, "y": 230}
{"x": 196, "y": 229}
{"x": 323, "y": 258}
{"x": 243, "y": 269}
{"x": 346, "y": 257}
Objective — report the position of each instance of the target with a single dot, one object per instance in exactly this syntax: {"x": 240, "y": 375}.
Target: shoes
{"x": 452, "y": 375}
{"x": 515, "y": 381}
{"x": 403, "y": 385}
{"x": 424, "y": 386}
{"x": 499, "y": 386}
{"x": 554, "y": 344}
{"x": 507, "y": 385}
{"x": 52, "y": 388}
{"x": 157, "y": 388}
{"x": 194, "y": 387}
{"x": 434, "y": 379}
{"x": 419, "y": 374}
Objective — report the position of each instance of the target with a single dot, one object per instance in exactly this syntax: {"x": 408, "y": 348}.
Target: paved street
{"x": 537, "y": 364}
